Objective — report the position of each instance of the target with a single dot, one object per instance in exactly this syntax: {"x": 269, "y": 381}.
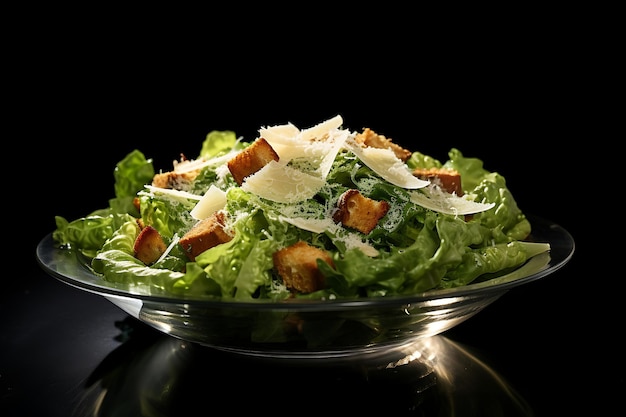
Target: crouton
{"x": 251, "y": 159}
{"x": 175, "y": 180}
{"x": 358, "y": 212}
{"x": 149, "y": 245}
{"x": 297, "y": 266}
{"x": 204, "y": 235}
{"x": 137, "y": 203}
{"x": 370, "y": 138}
{"x": 448, "y": 179}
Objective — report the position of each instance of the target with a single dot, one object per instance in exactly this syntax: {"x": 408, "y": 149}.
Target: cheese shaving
{"x": 311, "y": 225}
{"x": 213, "y": 200}
{"x": 386, "y": 164}
{"x": 192, "y": 165}
{"x": 315, "y": 148}
{"x": 305, "y": 159}
{"x": 173, "y": 243}
{"x": 173, "y": 193}
{"x": 320, "y": 130}
{"x": 283, "y": 184}
{"x": 446, "y": 203}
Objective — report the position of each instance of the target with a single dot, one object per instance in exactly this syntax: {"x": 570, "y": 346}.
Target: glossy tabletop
{"x": 67, "y": 352}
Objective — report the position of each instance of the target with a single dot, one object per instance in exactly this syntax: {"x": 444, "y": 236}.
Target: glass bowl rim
{"x": 562, "y": 247}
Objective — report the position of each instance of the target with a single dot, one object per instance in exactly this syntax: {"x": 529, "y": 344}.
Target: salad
{"x": 319, "y": 213}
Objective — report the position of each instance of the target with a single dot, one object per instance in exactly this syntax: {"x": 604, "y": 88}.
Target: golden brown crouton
{"x": 356, "y": 211}
{"x": 370, "y": 138}
{"x": 137, "y": 203}
{"x": 448, "y": 179}
{"x": 204, "y": 235}
{"x": 175, "y": 180}
{"x": 297, "y": 266}
{"x": 251, "y": 159}
{"x": 149, "y": 245}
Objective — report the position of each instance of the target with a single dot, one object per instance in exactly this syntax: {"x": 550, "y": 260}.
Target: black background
{"x": 526, "y": 108}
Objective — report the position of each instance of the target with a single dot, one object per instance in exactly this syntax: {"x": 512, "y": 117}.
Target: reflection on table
{"x": 151, "y": 374}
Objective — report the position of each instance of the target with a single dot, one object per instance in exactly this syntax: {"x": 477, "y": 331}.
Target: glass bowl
{"x": 310, "y": 329}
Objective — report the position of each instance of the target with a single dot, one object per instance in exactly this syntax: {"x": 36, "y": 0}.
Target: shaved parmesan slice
{"x": 279, "y": 134}
{"x": 366, "y": 248}
{"x": 173, "y": 243}
{"x": 173, "y": 193}
{"x": 320, "y": 130}
{"x": 386, "y": 164}
{"x": 187, "y": 165}
{"x": 332, "y": 150}
{"x": 353, "y": 241}
{"x": 322, "y": 225}
{"x": 316, "y": 157}
{"x": 312, "y": 225}
{"x": 213, "y": 200}
{"x": 284, "y": 140}
{"x": 317, "y": 146}
{"x": 446, "y": 203}
{"x": 191, "y": 165}
{"x": 288, "y": 152}
{"x": 284, "y": 134}
{"x": 282, "y": 184}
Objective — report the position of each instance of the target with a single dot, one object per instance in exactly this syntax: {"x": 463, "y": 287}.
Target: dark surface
{"x": 540, "y": 349}
{"x": 554, "y": 342}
